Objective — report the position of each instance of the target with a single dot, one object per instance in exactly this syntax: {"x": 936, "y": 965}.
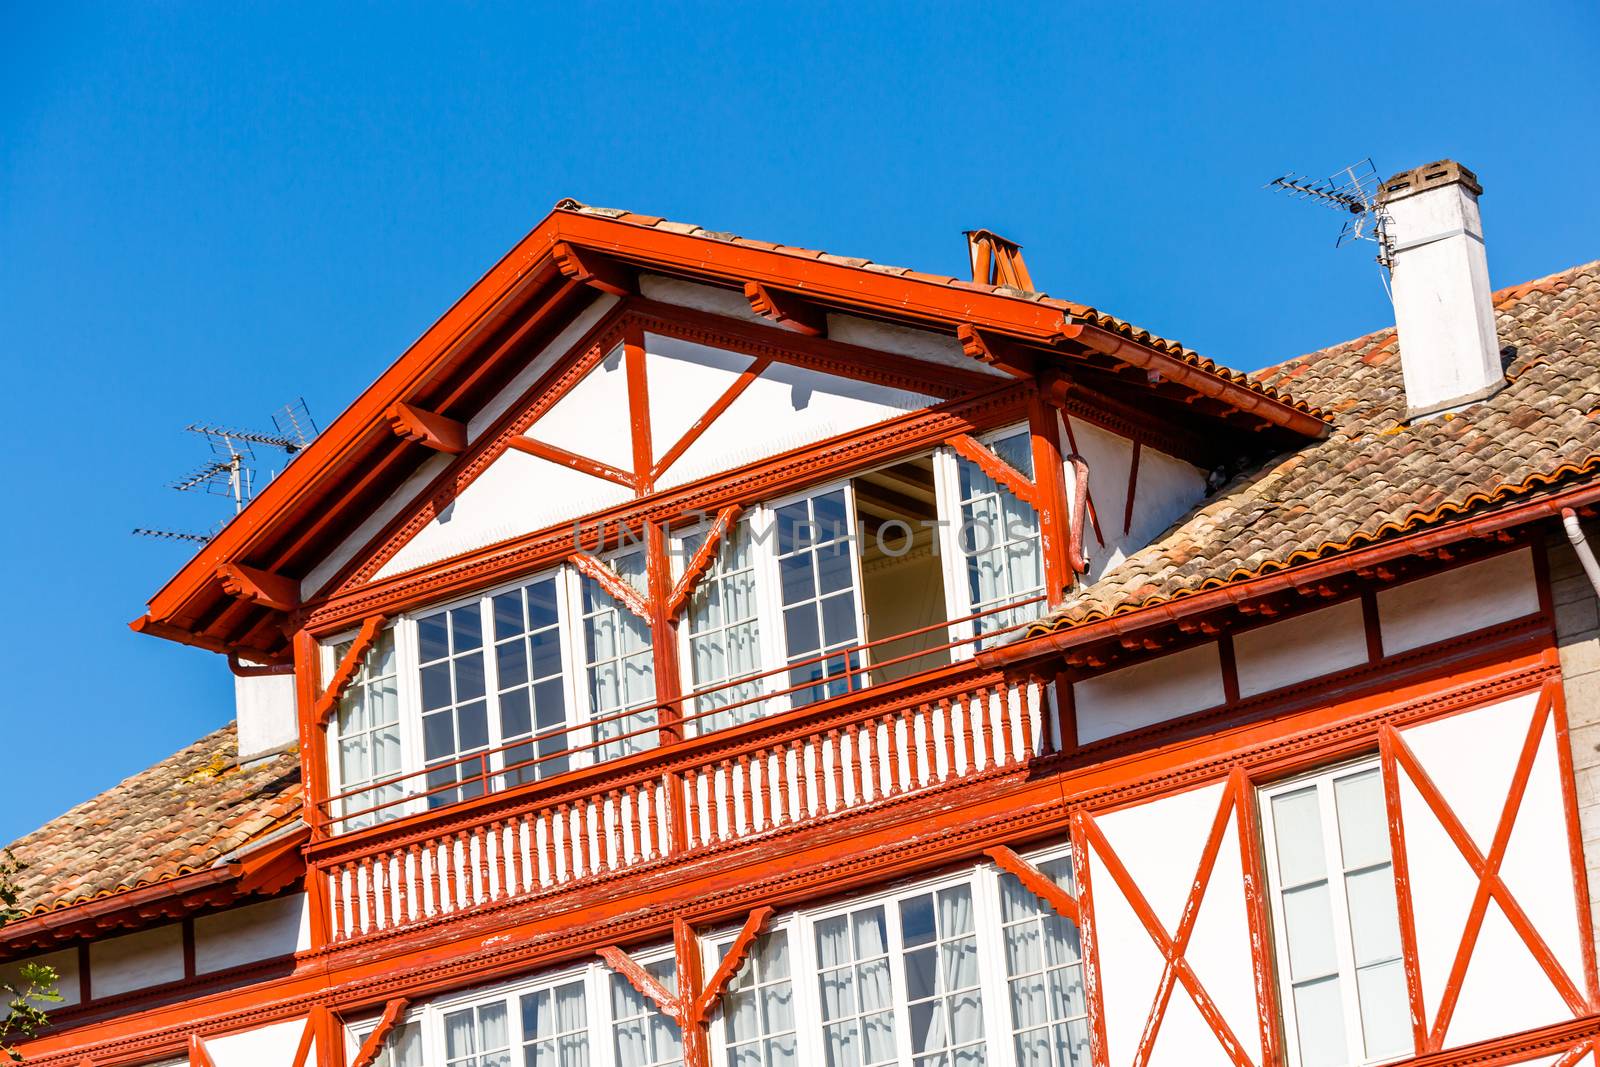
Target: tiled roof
{"x": 1078, "y": 312}
{"x": 1377, "y": 476}
{"x": 181, "y": 815}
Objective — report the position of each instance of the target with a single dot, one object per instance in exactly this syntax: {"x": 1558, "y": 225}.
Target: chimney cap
{"x": 1432, "y": 176}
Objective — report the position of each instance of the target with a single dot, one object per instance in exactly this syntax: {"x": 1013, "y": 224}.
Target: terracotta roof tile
{"x": 1377, "y": 476}
{"x": 179, "y": 816}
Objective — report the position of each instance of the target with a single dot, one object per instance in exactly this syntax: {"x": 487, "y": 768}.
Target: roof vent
{"x": 1443, "y": 308}
{"x": 997, "y": 261}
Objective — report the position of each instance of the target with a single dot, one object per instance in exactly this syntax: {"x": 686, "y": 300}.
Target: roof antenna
{"x": 231, "y": 469}
{"x": 1354, "y": 191}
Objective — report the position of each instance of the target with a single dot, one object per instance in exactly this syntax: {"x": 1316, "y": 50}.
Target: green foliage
{"x": 31, "y": 986}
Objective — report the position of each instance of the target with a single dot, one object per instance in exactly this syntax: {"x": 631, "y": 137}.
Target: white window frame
{"x": 947, "y": 482}
{"x": 574, "y": 640}
{"x": 1333, "y": 858}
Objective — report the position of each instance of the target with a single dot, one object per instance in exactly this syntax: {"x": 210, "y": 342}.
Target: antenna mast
{"x": 1354, "y": 191}
{"x": 231, "y": 470}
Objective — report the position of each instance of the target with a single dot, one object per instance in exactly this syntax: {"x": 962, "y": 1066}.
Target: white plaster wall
{"x": 136, "y": 961}
{"x": 517, "y": 494}
{"x": 905, "y": 341}
{"x": 1457, "y": 601}
{"x": 1306, "y": 646}
{"x": 1148, "y": 693}
{"x": 263, "y": 931}
{"x": 685, "y": 379}
{"x": 265, "y": 708}
{"x": 784, "y": 408}
{"x": 65, "y": 963}
{"x": 729, "y": 302}
{"x": 1471, "y": 757}
{"x": 1160, "y": 843}
{"x": 593, "y": 418}
{"x": 266, "y": 1045}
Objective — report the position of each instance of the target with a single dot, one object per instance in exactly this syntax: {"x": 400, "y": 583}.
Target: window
{"x": 1044, "y": 971}
{"x": 455, "y": 711}
{"x": 1341, "y": 978}
{"x": 530, "y": 680}
{"x": 817, "y": 585}
{"x": 368, "y": 724}
{"x": 478, "y": 1037}
{"x": 724, "y": 627}
{"x": 641, "y": 1035}
{"x": 939, "y": 951}
{"x": 618, "y": 663}
{"x": 996, "y": 539}
{"x": 758, "y": 1011}
{"x": 855, "y": 985}
{"x": 555, "y": 1026}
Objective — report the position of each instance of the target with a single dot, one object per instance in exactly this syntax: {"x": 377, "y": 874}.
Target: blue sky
{"x": 203, "y": 216}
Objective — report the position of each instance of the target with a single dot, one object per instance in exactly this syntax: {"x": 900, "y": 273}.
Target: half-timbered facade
{"x": 697, "y": 651}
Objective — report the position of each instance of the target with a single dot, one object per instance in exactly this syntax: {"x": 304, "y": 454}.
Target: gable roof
{"x": 1377, "y": 476}
{"x": 537, "y": 290}
{"x": 183, "y": 815}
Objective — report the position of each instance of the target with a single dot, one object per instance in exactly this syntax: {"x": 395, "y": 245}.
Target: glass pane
{"x": 1385, "y": 1009}
{"x": 1363, "y": 821}
{"x": 1374, "y": 923}
{"x": 1319, "y": 1016}
{"x": 1297, "y": 828}
{"x": 1308, "y": 916}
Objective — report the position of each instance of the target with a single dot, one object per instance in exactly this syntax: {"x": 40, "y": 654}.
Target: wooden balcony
{"x": 687, "y": 798}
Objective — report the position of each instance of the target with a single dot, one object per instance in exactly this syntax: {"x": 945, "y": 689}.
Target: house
{"x": 695, "y": 650}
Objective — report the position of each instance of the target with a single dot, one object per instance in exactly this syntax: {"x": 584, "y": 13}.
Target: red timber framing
{"x": 691, "y": 1007}
{"x": 372, "y": 1047}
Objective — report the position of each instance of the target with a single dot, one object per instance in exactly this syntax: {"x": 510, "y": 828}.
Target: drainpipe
{"x": 1580, "y": 545}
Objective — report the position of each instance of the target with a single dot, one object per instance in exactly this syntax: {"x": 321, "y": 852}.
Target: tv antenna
{"x": 231, "y": 470}
{"x": 1354, "y": 191}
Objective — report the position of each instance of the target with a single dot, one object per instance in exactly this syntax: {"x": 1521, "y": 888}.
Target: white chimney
{"x": 1442, "y": 301}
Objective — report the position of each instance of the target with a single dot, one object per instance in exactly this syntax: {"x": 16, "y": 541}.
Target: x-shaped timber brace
{"x": 694, "y": 1002}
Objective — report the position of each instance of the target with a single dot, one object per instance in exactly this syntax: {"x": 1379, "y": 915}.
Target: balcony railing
{"x": 805, "y": 764}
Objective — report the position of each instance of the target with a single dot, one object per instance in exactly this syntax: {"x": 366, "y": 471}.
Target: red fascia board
{"x": 1252, "y": 589}
{"x": 61, "y": 922}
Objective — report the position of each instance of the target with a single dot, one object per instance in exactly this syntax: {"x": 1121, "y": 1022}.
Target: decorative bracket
{"x": 260, "y": 587}
{"x": 993, "y": 352}
{"x": 1036, "y": 882}
{"x": 611, "y": 582}
{"x": 702, "y": 560}
{"x": 591, "y": 268}
{"x": 1080, "y": 507}
{"x": 692, "y": 1005}
{"x": 438, "y": 432}
{"x": 346, "y": 670}
{"x": 373, "y": 1045}
{"x": 996, "y": 468}
{"x": 786, "y": 309}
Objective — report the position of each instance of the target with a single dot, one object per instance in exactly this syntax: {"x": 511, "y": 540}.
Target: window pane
{"x": 1308, "y": 916}
{"x": 1363, "y": 821}
{"x": 1374, "y": 922}
{"x": 1297, "y": 827}
{"x": 1385, "y": 1009}
{"x": 1319, "y": 1017}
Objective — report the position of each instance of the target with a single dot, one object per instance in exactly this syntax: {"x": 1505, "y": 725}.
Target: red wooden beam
{"x": 346, "y": 670}
{"x": 666, "y": 1001}
{"x": 303, "y": 1051}
{"x": 992, "y": 352}
{"x": 272, "y": 591}
{"x": 373, "y": 1045}
{"x": 996, "y": 468}
{"x": 786, "y": 309}
{"x": 702, "y": 560}
{"x": 594, "y": 268}
{"x": 555, "y": 454}
{"x": 611, "y": 582}
{"x": 438, "y": 432}
{"x": 1036, "y": 882}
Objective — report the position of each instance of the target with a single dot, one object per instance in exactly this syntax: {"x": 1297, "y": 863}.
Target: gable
{"x": 641, "y": 403}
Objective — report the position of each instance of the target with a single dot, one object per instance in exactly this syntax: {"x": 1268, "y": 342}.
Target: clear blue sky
{"x": 205, "y": 215}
